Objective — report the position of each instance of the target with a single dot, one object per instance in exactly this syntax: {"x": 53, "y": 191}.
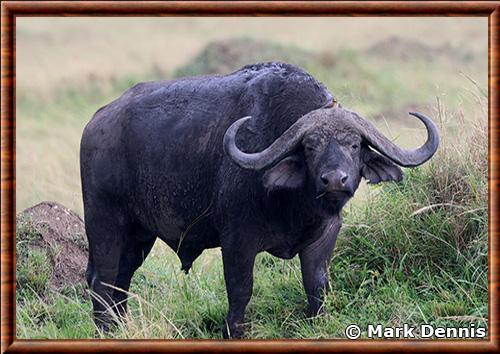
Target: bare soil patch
{"x": 57, "y": 235}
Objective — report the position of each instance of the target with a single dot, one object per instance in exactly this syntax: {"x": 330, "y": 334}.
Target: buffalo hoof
{"x": 317, "y": 311}
{"x": 102, "y": 329}
{"x": 105, "y": 324}
{"x": 233, "y": 332}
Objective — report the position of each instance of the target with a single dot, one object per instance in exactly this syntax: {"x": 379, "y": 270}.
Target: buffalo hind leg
{"x": 132, "y": 257}
{"x": 238, "y": 260}
{"x": 101, "y": 278}
{"x": 314, "y": 261}
{"x": 107, "y": 231}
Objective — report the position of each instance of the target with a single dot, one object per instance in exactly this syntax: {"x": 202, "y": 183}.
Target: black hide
{"x": 152, "y": 165}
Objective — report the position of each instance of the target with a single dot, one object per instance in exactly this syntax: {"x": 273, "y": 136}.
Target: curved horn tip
{"x": 241, "y": 121}
{"x": 426, "y": 119}
{"x": 421, "y": 116}
{"x": 230, "y": 133}
{"x": 433, "y": 138}
{"x": 418, "y": 115}
{"x": 407, "y": 158}
{"x": 286, "y": 142}
{"x": 229, "y": 144}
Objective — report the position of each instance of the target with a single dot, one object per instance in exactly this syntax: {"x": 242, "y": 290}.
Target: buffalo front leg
{"x": 314, "y": 261}
{"x": 238, "y": 260}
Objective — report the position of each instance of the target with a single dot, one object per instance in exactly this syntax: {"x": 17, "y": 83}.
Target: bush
{"x": 429, "y": 233}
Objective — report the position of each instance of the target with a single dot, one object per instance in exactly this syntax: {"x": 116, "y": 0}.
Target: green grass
{"x": 414, "y": 252}
{"x": 34, "y": 266}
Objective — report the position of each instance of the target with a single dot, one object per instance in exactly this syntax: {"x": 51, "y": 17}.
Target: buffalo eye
{"x": 354, "y": 146}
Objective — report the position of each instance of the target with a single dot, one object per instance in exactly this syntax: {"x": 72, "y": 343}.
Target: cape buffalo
{"x": 262, "y": 159}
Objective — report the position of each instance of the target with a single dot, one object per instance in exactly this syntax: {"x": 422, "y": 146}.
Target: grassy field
{"x": 409, "y": 253}
{"x": 68, "y": 68}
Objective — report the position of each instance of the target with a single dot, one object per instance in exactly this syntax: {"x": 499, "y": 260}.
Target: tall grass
{"x": 431, "y": 231}
{"x": 414, "y": 252}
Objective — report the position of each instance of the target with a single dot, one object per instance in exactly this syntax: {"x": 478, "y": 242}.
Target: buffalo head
{"x": 330, "y": 150}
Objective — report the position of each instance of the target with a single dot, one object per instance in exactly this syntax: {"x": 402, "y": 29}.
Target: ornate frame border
{"x": 12, "y": 9}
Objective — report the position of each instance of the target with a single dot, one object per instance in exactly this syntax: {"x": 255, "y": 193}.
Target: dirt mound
{"x": 399, "y": 48}
{"x": 222, "y": 57}
{"x": 51, "y": 247}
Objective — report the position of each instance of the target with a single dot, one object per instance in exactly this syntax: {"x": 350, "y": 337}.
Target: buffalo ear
{"x": 289, "y": 173}
{"x": 377, "y": 168}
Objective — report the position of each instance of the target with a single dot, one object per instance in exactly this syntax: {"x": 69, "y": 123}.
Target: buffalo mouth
{"x": 335, "y": 194}
{"x": 347, "y": 192}
{"x": 332, "y": 202}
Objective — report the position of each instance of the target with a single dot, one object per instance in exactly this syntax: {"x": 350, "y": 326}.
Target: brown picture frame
{"x": 10, "y": 10}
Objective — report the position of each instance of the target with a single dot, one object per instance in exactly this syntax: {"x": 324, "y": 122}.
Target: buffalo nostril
{"x": 324, "y": 180}
{"x": 343, "y": 180}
